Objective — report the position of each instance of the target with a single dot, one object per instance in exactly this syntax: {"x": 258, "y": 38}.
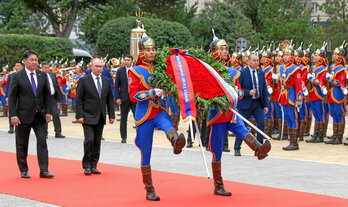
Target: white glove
{"x": 324, "y": 90}
{"x": 345, "y": 91}
{"x": 328, "y": 75}
{"x": 305, "y": 91}
{"x": 309, "y": 76}
{"x": 274, "y": 76}
{"x": 158, "y": 91}
{"x": 270, "y": 90}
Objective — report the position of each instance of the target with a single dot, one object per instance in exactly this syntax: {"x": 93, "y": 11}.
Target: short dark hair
{"x": 19, "y": 62}
{"x": 44, "y": 63}
{"x": 27, "y": 53}
{"x": 129, "y": 56}
{"x": 253, "y": 54}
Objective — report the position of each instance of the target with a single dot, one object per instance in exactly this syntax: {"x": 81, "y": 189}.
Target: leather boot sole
{"x": 179, "y": 144}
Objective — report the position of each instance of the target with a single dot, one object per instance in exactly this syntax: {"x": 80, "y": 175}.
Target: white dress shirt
{"x": 29, "y": 76}
{"x": 52, "y": 91}
{"x": 96, "y": 81}
{"x": 257, "y": 80}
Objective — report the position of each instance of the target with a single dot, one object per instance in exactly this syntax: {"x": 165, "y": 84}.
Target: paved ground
{"x": 316, "y": 168}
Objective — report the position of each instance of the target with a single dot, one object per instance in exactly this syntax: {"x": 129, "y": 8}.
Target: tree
{"x": 93, "y": 19}
{"x": 250, "y": 8}
{"x": 16, "y": 18}
{"x": 171, "y": 10}
{"x": 225, "y": 20}
{"x": 114, "y": 36}
{"x": 338, "y": 20}
{"x": 60, "y": 13}
{"x": 285, "y": 19}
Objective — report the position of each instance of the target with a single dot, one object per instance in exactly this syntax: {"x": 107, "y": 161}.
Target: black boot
{"x": 147, "y": 180}
{"x": 293, "y": 140}
{"x": 334, "y": 135}
{"x": 316, "y": 132}
{"x": 308, "y": 126}
{"x": 285, "y": 131}
{"x": 320, "y": 135}
{"x": 260, "y": 150}
{"x": 218, "y": 182}
{"x": 178, "y": 141}
{"x": 340, "y": 132}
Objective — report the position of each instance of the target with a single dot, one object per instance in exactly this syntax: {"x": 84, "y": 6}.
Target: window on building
{"x": 314, "y": 7}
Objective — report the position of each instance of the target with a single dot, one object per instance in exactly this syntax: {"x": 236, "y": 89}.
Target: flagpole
{"x": 200, "y": 144}
{"x": 250, "y": 124}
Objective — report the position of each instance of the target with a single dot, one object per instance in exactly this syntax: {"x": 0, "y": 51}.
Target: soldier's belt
{"x": 287, "y": 87}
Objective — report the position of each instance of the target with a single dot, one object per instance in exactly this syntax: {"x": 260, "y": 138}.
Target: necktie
{"x": 255, "y": 84}
{"x": 33, "y": 84}
{"x": 98, "y": 86}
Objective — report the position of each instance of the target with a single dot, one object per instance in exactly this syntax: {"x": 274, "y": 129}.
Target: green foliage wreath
{"x": 163, "y": 81}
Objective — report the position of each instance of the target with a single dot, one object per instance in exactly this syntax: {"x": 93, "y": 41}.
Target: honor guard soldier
{"x": 317, "y": 94}
{"x": 337, "y": 79}
{"x": 290, "y": 95}
{"x": 267, "y": 69}
{"x": 278, "y": 114}
{"x": 303, "y": 113}
{"x": 221, "y": 123}
{"x": 149, "y": 113}
{"x": 306, "y": 61}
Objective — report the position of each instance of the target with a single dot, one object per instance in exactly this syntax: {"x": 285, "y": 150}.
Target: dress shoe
{"x": 10, "y": 131}
{"x": 226, "y": 149}
{"x": 75, "y": 122}
{"x": 189, "y": 145}
{"x": 87, "y": 171}
{"x": 25, "y": 174}
{"x": 95, "y": 171}
{"x": 124, "y": 141}
{"x": 102, "y": 138}
{"x": 46, "y": 175}
{"x": 59, "y": 135}
{"x": 237, "y": 152}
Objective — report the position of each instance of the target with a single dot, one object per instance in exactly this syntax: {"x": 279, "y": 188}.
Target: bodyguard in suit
{"x": 16, "y": 68}
{"x": 255, "y": 100}
{"x": 56, "y": 98}
{"x": 30, "y": 107}
{"x": 93, "y": 97}
{"x": 122, "y": 96}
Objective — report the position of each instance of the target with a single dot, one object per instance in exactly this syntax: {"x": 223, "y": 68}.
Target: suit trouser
{"x": 39, "y": 126}
{"x": 125, "y": 107}
{"x": 257, "y": 111}
{"x": 92, "y": 143}
{"x": 56, "y": 119}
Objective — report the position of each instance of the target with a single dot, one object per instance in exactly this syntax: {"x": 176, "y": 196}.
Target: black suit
{"x": 121, "y": 86}
{"x": 31, "y": 111}
{"x": 92, "y": 108}
{"x": 56, "y": 98}
{"x": 9, "y": 80}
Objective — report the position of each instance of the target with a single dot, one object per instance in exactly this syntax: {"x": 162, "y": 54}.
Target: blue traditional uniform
{"x": 149, "y": 113}
{"x": 336, "y": 94}
{"x": 222, "y": 122}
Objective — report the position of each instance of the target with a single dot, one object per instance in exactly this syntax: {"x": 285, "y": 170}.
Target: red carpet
{"x": 122, "y": 186}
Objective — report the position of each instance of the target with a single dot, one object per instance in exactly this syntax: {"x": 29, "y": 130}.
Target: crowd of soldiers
{"x": 302, "y": 85}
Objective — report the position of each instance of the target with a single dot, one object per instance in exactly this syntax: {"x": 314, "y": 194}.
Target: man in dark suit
{"x": 255, "y": 100}
{"x": 56, "y": 98}
{"x": 30, "y": 107}
{"x": 122, "y": 96}
{"x": 18, "y": 66}
{"x": 94, "y": 95}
